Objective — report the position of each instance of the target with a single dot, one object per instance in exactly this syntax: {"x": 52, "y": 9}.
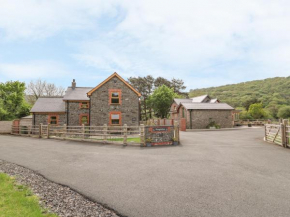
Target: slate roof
{"x": 213, "y": 100}
{"x": 207, "y": 106}
{"x": 178, "y": 101}
{"x": 49, "y": 105}
{"x": 199, "y": 98}
{"x": 79, "y": 93}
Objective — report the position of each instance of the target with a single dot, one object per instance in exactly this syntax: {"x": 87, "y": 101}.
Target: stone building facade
{"x": 113, "y": 102}
{"x": 200, "y": 112}
{"x": 103, "y": 108}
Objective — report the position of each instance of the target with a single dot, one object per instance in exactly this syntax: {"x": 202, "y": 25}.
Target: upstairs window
{"x": 115, "y": 118}
{"x": 84, "y": 105}
{"x": 115, "y": 96}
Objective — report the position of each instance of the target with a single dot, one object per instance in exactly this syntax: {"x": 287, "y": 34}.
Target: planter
{"x": 148, "y": 144}
{"x": 175, "y": 143}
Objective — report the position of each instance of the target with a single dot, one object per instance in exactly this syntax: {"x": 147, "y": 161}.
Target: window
{"x": 115, "y": 96}
{"x": 53, "y": 119}
{"x": 84, "y": 119}
{"x": 84, "y": 105}
{"x": 115, "y": 118}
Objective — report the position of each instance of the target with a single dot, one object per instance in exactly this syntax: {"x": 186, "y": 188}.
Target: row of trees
{"x": 157, "y": 94}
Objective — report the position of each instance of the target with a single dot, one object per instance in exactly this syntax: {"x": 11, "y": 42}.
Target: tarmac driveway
{"x": 216, "y": 173}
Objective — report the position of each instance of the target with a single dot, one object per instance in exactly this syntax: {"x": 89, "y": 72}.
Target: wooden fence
{"x": 278, "y": 133}
{"x": 100, "y": 134}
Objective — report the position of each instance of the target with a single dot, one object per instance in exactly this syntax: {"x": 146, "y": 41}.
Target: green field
{"x": 18, "y": 200}
{"x": 135, "y": 139}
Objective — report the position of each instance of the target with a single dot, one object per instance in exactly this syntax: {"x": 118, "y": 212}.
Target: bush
{"x": 284, "y": 112}
{"x": 213, "y": 124}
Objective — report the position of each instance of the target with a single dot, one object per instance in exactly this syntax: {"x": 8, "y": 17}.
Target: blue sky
{"x": 204, "y": 42}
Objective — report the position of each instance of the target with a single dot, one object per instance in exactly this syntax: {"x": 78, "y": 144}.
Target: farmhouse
{"x": 113, "y": 102}
{"x": 202, "y": 112}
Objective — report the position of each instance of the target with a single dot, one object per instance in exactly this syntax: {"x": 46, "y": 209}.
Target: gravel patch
{"x": 56, "y": 198}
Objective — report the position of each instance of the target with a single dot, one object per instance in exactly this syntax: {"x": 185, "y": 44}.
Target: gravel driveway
{"x": 217, "y": 173}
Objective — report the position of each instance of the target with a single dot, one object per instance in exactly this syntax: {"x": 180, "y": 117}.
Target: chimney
{"x": 73, "y": 84}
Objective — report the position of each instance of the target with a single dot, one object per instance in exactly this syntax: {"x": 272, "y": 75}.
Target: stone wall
{"x": 74, "y": 112}
{"x": 201, "y": 118}
{"x": 43, "y": 119}
{"x": 5, "y": 126}
{"x": 100, "y": 106}
{"x": 159, "y": 135}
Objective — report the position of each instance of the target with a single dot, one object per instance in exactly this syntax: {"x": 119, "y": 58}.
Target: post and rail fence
{"x": 100, "y": 134}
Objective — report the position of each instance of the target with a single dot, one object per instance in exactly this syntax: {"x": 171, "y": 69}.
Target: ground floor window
{"x": 115, "y": 118}
{"x": 84, "y": 119}
{"x": 53, "y": 119}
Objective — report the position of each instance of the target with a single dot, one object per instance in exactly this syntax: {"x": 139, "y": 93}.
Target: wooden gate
{"x": 274, "y": 133}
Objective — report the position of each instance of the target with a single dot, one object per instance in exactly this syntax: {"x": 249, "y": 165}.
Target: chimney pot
{"x": 73, "y": 84}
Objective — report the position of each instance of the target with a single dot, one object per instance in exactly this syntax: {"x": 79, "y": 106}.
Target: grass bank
{"x": 18, "y": 200}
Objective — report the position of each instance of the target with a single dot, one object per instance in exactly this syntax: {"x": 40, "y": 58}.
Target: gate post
{"x": 285, "y": 123}
{"x": 125, "y": 131}
{"x": 176, "y": 131}
{"x": 142, "y": 135}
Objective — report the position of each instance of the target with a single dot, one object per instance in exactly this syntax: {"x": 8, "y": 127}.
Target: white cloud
{"x": 224, "y": 41}
{"x": 33, "y": 70}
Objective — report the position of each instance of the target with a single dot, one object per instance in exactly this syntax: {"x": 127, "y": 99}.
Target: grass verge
{"x": 18, "y": 200}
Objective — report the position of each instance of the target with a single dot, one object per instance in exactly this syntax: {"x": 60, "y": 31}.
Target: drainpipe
{"x": 33, "y": 118}
{"x": 190, "y": 117}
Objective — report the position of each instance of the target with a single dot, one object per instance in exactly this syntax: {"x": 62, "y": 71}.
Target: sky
{"x": 204, "y": 42}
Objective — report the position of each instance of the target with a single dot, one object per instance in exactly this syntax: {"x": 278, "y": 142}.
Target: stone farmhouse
{"x": 113, "y": 102}
{"x": 199, "y": 112}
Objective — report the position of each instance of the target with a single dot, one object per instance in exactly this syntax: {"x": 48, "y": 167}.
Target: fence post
{"x": 142, "y": 135}
{"x": 40, "y": 130}
{"x": 176, "y": 131}
{"x": 64, "y": 131}
{"x": 105, "y": 132}
{"x": 83, "y": 131}
{"x": 48, "y": 130}
{"x": 285, "y": 123}
{"x": 125, "y": 131}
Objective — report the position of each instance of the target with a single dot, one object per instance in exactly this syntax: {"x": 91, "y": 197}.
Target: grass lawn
{"x": 17, "y": 200}
{"x": 135, "y": 139}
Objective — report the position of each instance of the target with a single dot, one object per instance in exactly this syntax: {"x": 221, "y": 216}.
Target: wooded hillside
{"x": 270, "y": 92}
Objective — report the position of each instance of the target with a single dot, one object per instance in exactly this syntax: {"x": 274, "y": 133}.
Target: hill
{"x": 271, "y": 92}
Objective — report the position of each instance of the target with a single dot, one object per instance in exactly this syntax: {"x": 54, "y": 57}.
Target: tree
{"x": 256, "y": 111}
{"x": 144, "y": 85}
{"x": 177, "y": 85}
{"x": 284, "y": 112}
{"x": 249, "y": 102}
{"x": 12, "y": 103}
{"x": 161, "y": 81}
{"x": 38, "y": 88}
{"x": 161, "y": 100}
